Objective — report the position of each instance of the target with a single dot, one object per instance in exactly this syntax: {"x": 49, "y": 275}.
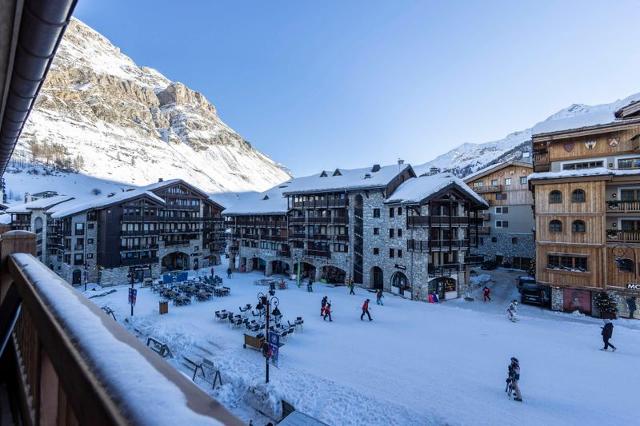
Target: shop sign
{"x": 633, "y": 286}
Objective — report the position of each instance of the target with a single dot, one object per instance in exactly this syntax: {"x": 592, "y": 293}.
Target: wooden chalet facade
{"x": 587, "y": 210}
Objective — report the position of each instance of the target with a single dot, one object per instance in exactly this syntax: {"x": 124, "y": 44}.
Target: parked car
{"x": 535, "y": 294}
{"x": 489, "y": 265}
{"x": 524, "y": 279}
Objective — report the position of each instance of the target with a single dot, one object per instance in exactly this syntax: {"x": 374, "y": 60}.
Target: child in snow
{"x": 327, "y": 312}
{"x": 607, "y": 332}
{"x": 365, "y": 310}
{"x": 512, "y": 311}
{"x": 513, "y": 378}
{"x": 379, "y": 297}
{"x": 323, "y": 305}
{"x": 486, "y": 294}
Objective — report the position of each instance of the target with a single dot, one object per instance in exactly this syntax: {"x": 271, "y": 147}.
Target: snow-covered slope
{"x": 117, "y": 121}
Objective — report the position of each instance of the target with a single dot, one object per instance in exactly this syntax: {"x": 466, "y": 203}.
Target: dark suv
{"x": 532, "y": 292}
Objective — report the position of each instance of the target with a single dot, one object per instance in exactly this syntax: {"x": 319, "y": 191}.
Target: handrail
{"x": 97, "y": 386}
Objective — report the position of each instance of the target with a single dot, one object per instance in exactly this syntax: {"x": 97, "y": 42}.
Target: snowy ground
{"x": 416, "y": 363}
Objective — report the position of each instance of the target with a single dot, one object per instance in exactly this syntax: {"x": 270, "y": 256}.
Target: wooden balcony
{"x": 426, "y": 221}
{"x": 541, "y": 161}
{"x": 623, "y": 206}
{"x": 67, "y": 363}
{"x": 488, "y": 189}
{"x": 617, "y": 235}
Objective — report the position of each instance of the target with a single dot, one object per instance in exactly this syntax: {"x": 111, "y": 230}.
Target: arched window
{"x": 625, "y": 265}
{"x": 578, "y": 196}
{"x": 555, "y": 197}
{"x": 578, "y": 226}
{"x": 555, "y": 226}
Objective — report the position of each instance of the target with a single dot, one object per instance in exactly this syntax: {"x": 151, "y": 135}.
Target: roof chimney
{"x": 400, "y": 161}
{"x": 160, "y": 180}
{"x": 375, "y": 168}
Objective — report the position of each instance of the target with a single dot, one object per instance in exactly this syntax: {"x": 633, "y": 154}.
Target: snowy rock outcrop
{"x": 131, "y": 124}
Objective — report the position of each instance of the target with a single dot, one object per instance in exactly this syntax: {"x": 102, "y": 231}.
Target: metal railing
{"x": 62, "y": 376}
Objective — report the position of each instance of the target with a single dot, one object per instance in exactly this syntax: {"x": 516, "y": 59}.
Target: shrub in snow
{"x": 606, "y": 305}
{"x": 265, "y": 399}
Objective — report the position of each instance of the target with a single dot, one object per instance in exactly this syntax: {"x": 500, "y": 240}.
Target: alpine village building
{"x": 131, "y": 235}
{"x": 382, "y": 227}
{"x": 586, "y": 185}
{"x": 506, "y": 235}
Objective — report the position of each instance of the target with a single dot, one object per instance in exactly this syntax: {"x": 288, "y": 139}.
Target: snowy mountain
{"x": 104, "y": 116}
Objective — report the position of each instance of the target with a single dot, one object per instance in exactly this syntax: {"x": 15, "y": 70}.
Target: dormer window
{"x": 367, "y": 176}
{"x": 266, "y": 197}
{"x": 337, "y": 173}
{"x": 323, "y": 174}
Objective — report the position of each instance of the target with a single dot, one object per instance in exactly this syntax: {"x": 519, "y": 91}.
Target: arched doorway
{"x": 76, "y": 277}
{"x": 279, "y": 267}
{"x": 377, "y": 280}
{"x": 445, "y": 287}
{"x": 400, "y": 281}
{"x": 176, "y": 261}
{"x": 307, "y": 270}
{"x": 258, "y": 264}
{"x": 333, "y": 274}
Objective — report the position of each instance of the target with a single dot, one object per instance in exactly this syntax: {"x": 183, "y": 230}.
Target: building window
{"x": 399, "y": 211}
{"x": 629, "y": 194}
{"x": 78, "y": 259}
{"x": 391, "y": 212}
{"x": 507, "y": 181}
{"x": 89, "y": 255}
{"x": 90, "y": 225}
{"x": 494, "y": 182}
{"x": 399, "y": 253}
{"x": 376, "y": 231}
{"x": 89, "y": 240}
{"x": 502, "y": 223}
{"x": 376, "y": 251}
{"x": 555, "y": 197}
{"x": 501, "y": 196}
{"x": 399, "y": 233}
{"x": 376, "y": 212}
{"x": 79, "y": 227}
{"x": 392, "y": 253}
{"x": 523, "y": 180}
{"x": 578, "y": 226}
{"x": 478, "y": 184}
{"x": 578, "y": 196}
{"x": 555, "y": 226}
{"x": 502, "y": 210}
{"x": 629, "y": 163}
{"x": 567, "y": 262}
{"x": 390, "y": 233}
{"x": 494, "y": 239}
{"x": 514, "y": 240}
{"x": 625, "y": 265}
{"x": 584, "y": 165}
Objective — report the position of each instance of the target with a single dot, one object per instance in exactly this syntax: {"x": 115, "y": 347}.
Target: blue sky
{"x": 320, "y": 84}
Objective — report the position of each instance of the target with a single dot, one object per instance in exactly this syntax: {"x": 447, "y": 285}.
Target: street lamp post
{"x": 266, "y": 302}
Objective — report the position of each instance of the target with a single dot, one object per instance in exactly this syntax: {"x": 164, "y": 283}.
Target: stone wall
{"x": 504, "y": 246}
{"x": 557, "y": 299}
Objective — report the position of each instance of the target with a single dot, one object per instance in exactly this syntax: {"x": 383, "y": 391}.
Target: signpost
{"x": 133, "y": 294}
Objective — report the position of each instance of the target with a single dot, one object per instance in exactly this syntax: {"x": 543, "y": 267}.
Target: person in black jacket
{"x": 607, "y": 332}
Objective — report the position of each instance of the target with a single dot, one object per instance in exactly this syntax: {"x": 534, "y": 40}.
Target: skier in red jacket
{"x": 365, "y": 310}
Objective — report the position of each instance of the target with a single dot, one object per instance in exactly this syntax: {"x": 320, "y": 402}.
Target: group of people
{"x": 325, "y": 308}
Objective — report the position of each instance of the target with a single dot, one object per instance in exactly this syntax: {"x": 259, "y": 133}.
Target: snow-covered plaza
{"x": 415, "y": 363}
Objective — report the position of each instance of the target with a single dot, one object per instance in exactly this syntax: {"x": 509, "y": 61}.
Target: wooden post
{"x": 13, "y": 242}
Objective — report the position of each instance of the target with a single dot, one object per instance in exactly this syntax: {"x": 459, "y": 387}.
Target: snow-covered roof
{"x": 596, "y": 171}
{"x": 582, "y": 116}
{"x": 84, "y": 204}
{"x": 163, "y": 183}
{"x": 5, "y": 219}
{"x": 345, "y": 179}
{"x": 495, "y": 167}
{"x": 420, "y": 188}
{"x": 42, "y": 203}
{"x": 271, "y": 201}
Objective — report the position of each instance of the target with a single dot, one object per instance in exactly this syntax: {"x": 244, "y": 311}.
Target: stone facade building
{"x": 134, "y": 234}
{"x": 586, "y": 185}
{"x": 507, "y": 231}
{"x": 382, "y": 227}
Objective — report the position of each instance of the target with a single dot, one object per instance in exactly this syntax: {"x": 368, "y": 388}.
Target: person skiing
{"x": 365, "y": 310}
{"x": 351, "y": 287}
{"x": 229, "y": 272}
{"x": 327, "y": 312}
{"x": 486, "y": 294}
{"x": 513, "y": 378}
{"x": 607, "y": 333}
{"x": 323, "y": 304}
{"x": 512, "y": 311}
{"x": 379, "y": 297}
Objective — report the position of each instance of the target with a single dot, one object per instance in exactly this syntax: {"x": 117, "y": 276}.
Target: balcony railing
{"x": 76, "y": 365}
{"x": 623, "y": 206}
{"x": 442, "y": 270}
{"x": 623, "y": 236}
{"x": 437, "y": 220}
{"x": 317, "y": 253}
{"x": 488, "y": 189}
{"x": 319, "y": 220}
{"x": 447, "y": 245}
{"x": 541, "y": 162}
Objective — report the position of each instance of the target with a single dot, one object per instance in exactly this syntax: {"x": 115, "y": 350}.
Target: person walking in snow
{"x": 310, "y": 286}
{"x": 379, "y": 297}
{"x": 229, "y": 272}
{"x": 513, "y": 379}
{"x": 512, "y": 311}
{"x": 486, "y": 294}
{"x": 327, "y": 312}
{"x": 212, "y": 272}
{"x": 323, "y": 304}
{"x": 434, "y": 297}
{"x": 365, "y": 310}
{"x": 607, "y": 333}
{"x": 351, "y": 287}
